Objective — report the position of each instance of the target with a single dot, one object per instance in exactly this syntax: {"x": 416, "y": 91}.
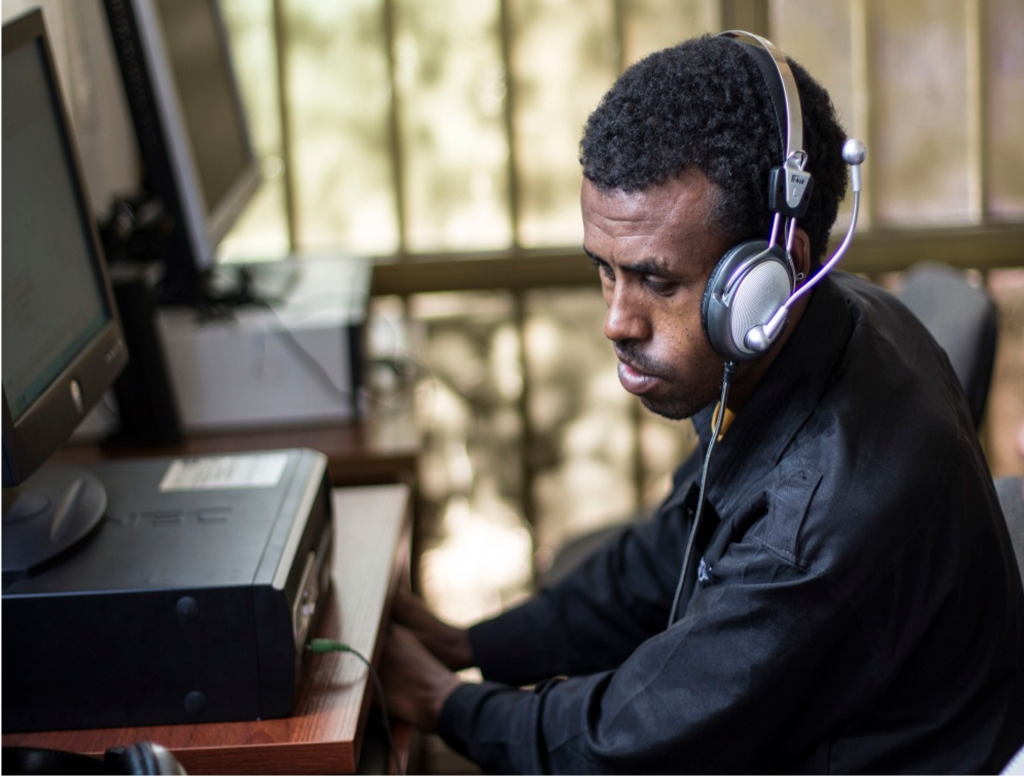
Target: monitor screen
{"x": 202, "y": 71}
{"x": 62, "y": 344}
{"x": 191, "y": 125}
{"x": 52, "y": 305}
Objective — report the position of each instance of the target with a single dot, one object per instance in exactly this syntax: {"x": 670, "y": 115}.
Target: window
{"x": 442, "y": 137}
{"x": 402, "y": 128}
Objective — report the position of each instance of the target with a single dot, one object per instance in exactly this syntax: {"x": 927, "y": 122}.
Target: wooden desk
{"x": 324, "y": 733}
{"x": 382, "y": 448}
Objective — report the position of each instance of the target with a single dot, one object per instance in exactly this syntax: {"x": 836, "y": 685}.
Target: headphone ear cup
{"x": 710, "y": 303}
{"x": 749, "y": 284}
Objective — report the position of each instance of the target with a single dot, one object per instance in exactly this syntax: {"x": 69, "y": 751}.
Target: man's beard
{"x": 676, "y": 410}
{"x": 690, "y": 395}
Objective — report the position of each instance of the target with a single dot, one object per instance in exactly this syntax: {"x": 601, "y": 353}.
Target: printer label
{"x": 208, "y": 473}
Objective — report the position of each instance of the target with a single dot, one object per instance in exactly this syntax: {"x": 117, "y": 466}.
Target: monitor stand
{"x": 47, "y": 516}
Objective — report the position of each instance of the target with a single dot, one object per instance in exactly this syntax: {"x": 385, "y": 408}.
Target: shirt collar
{"x": 784, "y": 398}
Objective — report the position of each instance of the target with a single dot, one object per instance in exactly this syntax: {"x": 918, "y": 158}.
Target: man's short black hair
{"x": 705, "y": 103}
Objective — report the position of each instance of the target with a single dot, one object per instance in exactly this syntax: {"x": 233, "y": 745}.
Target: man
{"x": 853, "y": 605}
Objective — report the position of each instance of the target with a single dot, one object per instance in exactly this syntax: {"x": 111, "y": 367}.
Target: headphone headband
{"x": 789, "y": 186}
{"x": 794, "y": 133}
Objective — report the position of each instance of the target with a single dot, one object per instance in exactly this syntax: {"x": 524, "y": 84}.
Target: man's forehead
{"x": 681, "y": 206}
{"x": 691, "y": 187}
{"x": 666, "y": 227}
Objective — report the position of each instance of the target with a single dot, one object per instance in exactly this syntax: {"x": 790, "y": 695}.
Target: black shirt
{"x": 856, "y": 606}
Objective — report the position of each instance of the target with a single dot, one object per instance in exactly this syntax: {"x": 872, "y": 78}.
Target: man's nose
{"x": 625, "y": 319}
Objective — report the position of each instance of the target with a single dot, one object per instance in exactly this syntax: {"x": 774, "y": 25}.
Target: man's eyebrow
{"x": 644, "y": 267}
{"x": 639, "y": 267}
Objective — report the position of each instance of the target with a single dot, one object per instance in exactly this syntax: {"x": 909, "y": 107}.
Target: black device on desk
{"x": 147, "y": 591}
{"x": 191, "y": 604}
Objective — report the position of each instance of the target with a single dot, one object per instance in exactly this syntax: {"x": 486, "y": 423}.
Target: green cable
{"x": 319, "y": 646}
{"x": 328, "y": 646}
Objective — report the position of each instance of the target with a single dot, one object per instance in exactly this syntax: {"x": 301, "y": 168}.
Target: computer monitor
{"x": 192, "y": 128}
{"x": 62, "y": 344}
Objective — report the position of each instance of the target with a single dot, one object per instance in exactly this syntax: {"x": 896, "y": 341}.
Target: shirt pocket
{"x": 788, "y": 504}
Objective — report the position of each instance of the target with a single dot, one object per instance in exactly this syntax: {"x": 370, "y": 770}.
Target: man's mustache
{"x": 630, "y": 353}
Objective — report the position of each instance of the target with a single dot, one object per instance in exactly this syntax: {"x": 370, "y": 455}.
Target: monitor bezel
{"x": 49, "y": 421}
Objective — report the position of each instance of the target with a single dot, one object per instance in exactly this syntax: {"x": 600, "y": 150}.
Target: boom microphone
{"x": 760, "y": 337}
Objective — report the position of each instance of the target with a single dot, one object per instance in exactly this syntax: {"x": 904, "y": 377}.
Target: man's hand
{"x": 415, "y": 683}
{"x": 450, "y": 645}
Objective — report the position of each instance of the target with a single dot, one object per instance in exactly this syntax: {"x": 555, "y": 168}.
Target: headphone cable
{"x": 727, "y": 376}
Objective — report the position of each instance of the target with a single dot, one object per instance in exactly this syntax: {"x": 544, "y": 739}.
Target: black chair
{"x": 1010, "y": 491}
{"x": 963, "y": 319}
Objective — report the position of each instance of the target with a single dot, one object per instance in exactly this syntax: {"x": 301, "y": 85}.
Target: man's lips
{"x": 634, "y": 380}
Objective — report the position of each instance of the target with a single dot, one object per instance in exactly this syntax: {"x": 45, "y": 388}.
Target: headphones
{"x": 750, "y": 291}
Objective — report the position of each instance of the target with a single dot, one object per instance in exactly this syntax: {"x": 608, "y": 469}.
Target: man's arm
{"x": 596, "y": 616}
{"x": 745, "y": 682}
{"x": 593, "y": 619}
{"x": 590, "y": 621}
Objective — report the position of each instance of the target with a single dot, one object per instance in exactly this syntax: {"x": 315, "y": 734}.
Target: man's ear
{"x": 801, "y": 256}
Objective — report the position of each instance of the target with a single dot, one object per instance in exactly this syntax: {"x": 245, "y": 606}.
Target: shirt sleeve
{"x": 740, "y": 684}
{"x": 592, "y": 619}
